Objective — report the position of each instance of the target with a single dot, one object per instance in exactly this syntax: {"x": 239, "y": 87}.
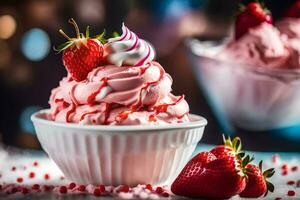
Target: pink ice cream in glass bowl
{"x": 252, "y": 83}
{"x": 120, "y": 124}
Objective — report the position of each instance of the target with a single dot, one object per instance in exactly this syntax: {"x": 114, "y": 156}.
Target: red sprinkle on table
{"x": 165, "y": 194}
{"x": 35, "y": 164}
{"x": 47, "y": 188}
{"x": 81, "y": 188}
{"x": 20, "y": 180}
{"x": 72, "y": 185}
{"x": 278, "y": 198}
{"x": 291, "y": 193}
{"x": 294, "y": 168}
{"x": 284, "y": 167}
{"x": 46, "y": 176}
{"x": 31, "y": 175}
{"x": 284, "y": 173}
{"x": 13, "y": 168}
{"x": 63, "y": 189}
{"x": 149, "y": 187}
{"x": 291, "y": 182}
{"x": 36, "y": 187}
{"x": 124, "y": 188}
{"x": 102, "y": 188}
{"x": 62, "y": 178}
{"x": 97, "y": 192}
{"x": 159, "y": 190}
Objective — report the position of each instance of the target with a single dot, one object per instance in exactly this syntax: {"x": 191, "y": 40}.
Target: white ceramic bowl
{"x": 114, "y": 155}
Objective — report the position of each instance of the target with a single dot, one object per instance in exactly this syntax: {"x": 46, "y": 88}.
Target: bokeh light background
{"x": 29, "y": 68}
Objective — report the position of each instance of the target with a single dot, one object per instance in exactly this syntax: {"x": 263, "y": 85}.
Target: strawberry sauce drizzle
{"x": 72, "y": 110}
{"x": 107, "y": 113}
{"x": 92, "y": 98}
{"x": 164, "y": 107}
{"x": 88, "y": 113}
{"x": 135, "y": 43}
{"x": 71, "y": 94}
{"x": 124, "y": 115}
{"x": 141, "y": 62}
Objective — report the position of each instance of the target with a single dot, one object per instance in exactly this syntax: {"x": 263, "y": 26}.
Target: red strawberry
{"x": 212, "y": 176}
{"x": 251, "y": 16}
{"x": 81, "y": 54}
{"x": 294, "y": 10}
{"x": 257, "y": 185}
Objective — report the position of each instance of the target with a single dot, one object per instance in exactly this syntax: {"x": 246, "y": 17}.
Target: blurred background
{"x": 29, "y": 68}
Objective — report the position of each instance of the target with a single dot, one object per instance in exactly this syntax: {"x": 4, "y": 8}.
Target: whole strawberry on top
{"x": 257, "y": 184}
{"x": 81, "y": 54}
{"x": 251, "y": 16}
{"x": 294, "y": 10}
{"x": 215, "y": 174}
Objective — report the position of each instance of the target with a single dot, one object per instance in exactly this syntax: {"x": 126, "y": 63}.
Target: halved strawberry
{"x": 257, "y": 184}
{"x": 294, "y": 10}
{"x": 251, "y": 16}
{"x": 215, "y": 174}
{"x": 81, "y": 54}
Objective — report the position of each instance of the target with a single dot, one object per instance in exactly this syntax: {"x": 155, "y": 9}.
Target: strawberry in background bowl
{"x": 113, "y": 120}
{"x": 251, "y": 79}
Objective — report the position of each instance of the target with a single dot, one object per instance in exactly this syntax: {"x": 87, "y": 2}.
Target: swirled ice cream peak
{"x": 129, "y": 49}
{"x": 137, "y": 93}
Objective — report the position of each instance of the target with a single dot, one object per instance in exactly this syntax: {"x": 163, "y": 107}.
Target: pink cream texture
{"x": 290, "y": 27}
{"x": 262, "y": 46}
{"x": 132, "y": 90}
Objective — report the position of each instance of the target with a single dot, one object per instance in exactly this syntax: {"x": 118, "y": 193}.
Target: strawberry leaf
{"x": 115, "y": 34}
{"x": 241, "y": 8}
{"x": 236, "y": 144}
{"x": 241, "y": 154}
{"x": 269, "y": 173}
{"x": 247, "y": 160}
{"x": 87, "y": 32}
{"x": 101, "y": 37}
{"x": 227, "y": 141}
{"x": 63, "y": 46}
{"x": 260, "y": 165}
{"x": 270, "y": 187}
{"x": 248, "y": 170}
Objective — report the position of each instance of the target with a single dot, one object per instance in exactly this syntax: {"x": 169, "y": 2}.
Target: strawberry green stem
{"x": 72, "y": 21}
{"x": 64, "y": 34}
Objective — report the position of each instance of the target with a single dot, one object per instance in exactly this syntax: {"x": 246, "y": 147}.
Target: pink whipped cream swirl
{"x": 128, "y": 49}
{"x": 125, "y": 95}
{"x": 133, "y": 89}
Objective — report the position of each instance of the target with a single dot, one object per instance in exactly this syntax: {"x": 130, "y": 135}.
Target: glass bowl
{"x": 248, "y": 97}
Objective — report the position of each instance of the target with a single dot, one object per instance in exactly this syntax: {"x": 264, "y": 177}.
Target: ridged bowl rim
{"x": 196, "y": 122}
